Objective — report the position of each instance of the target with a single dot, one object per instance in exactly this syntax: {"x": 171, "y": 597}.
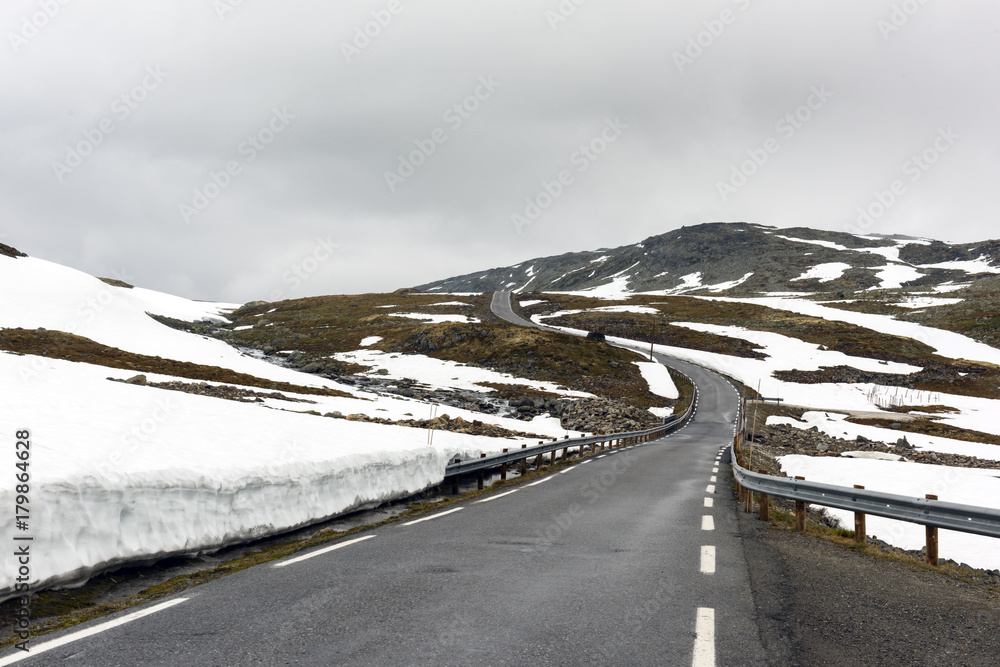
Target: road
{"x": 631, "y": 558}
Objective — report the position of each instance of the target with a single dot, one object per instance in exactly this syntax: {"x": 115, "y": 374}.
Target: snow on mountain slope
{"x": 122, "y": 472}
{"x": 947, "y": 343}
{"x": 37, "y": 294}
{"x": 745, "y": 257}
{"x": 440, "y": 373}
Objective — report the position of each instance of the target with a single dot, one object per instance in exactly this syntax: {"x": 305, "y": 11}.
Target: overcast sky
{"x": 241, "y": 149}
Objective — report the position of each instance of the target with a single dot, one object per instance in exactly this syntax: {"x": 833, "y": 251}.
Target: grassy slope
{"x": 318, "y": 327}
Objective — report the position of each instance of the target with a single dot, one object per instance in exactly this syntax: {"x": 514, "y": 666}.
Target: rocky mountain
{"x": 743, "y": 258}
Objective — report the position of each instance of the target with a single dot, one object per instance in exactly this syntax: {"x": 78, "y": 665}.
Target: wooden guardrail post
{"x": 480, "y": 475}
{"x": 765, "y": 503}
{"x": 565, "y": 453}
{"x": 860, "y": 530}
{"x": 503, "y": 468}
{"x": 553, "y": 461}
{"x": 932, "y": 539}
{"x": 454, "y": 480}
{"x": 524, "y": 462}
{"x": 748, "y": 501}
{"x": 800, "y": 513}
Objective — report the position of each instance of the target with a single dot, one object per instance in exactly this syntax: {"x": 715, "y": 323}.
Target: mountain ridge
{"x": 742, "y": 257}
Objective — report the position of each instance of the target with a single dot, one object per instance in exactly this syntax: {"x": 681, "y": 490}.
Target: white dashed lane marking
{"x": 708, "y": 560}
{"x": 707, "y": 522}
{"x": 82, "y": 634}
{"x": 499, "y": 495}
{"x": 704, "y": 641}
{"x": 431, "y": 518}
{"x": 320, "y": 552}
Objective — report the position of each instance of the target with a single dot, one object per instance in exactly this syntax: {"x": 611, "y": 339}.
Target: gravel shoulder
{"x": 822, "y": 604}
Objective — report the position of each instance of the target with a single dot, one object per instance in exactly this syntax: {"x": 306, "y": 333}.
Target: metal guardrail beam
{"x": 473, "y": 465}
{"x": 937, "y": 513}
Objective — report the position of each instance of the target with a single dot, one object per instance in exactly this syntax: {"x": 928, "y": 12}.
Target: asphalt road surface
{"x": 630, "y": 558}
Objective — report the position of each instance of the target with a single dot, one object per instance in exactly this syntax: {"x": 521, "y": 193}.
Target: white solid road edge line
{"x": 499, "y": 495}
{"x": 430, "y": 518}
{"x": 704, "y": 641}
{"x": 708, "y": 560}
{"x": 320, "y": 552}
{"x": 82, "y": 634}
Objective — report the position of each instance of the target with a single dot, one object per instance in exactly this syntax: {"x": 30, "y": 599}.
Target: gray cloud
{"x": 701, "y": 87}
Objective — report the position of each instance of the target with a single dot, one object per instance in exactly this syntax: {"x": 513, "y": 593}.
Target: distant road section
{"x": 502, "y": 309}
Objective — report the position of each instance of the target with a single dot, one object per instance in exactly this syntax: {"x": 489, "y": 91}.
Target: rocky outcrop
{"x": 781, "y": 440}
{"x": 603, "y": 415}
{"x": 226, "y": 392}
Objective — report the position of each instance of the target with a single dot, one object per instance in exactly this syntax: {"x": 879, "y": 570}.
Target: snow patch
{"x": 968, "y": 486}
{"x": 981, "y": 265}
{"x": 892, "y": 276}
{"x": 658, "y": 378}
{"x": 437, "y": 318}
{"x": 825, "y": 272}
{"x": 927, "y": 302}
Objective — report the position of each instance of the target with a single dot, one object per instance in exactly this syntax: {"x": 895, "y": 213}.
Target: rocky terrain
{"x": 226, "y": 392}
{"x": 782, "y": 440}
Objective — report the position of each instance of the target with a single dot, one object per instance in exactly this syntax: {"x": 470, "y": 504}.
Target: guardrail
{"x": 522, "y": 455}
{"x": 928, "y": 511}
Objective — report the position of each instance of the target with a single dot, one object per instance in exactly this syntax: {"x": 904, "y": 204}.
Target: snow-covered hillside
{"x": 129, "y": 472}
{"x": 833, "y": 402}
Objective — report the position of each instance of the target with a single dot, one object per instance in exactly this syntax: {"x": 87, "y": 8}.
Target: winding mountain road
{"x": 628, "y": 558}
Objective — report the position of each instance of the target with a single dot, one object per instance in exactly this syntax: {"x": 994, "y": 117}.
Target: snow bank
{"x": 957, "y": 485}
{"x": 123, "y": 473}
{"x": 658, "y": 378}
